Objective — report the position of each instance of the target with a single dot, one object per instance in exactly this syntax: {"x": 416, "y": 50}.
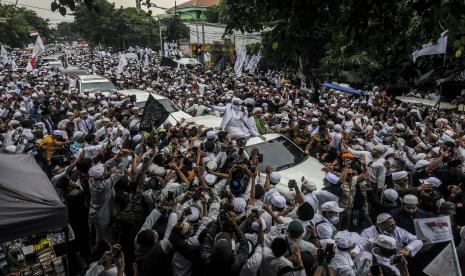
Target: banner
{"x": 432, "y": 49}
{"x": 153, "y": 116}
{"x": 168, "y": 62}
{"x": 253, "y": 63}
{"x": 4, "y": 55}
{"x": 241, "y": 56}
{"x": 454, "y": 77}
{"x": 221, "y": 65}
{"x": 434, "y": 230}
{"x": 122, "y": 63}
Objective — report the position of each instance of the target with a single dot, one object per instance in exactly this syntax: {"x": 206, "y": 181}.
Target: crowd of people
{"x": 186, "y": 200}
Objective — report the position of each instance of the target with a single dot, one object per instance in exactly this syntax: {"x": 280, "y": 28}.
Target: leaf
{"x": 275, "y": 45}
{"x": 54, "y": 6}
{"x": 458, "y": 53}
{"x": 457, "y": 43}
{"x": 62, "y": 11}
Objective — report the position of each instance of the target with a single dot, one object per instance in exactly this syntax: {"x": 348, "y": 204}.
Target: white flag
{"x": 146, "y": 61}
{"x": 14, "y": 66}
{"x": 4, "y": 55}
{"x": 122, "y": 63}
{"x": 39, "y": 47}
{"x": 432, "y": 49}
{"x": 254, "y": 65}
{"x": 241, "y": 55}
{"x": 443, "y": 263}
{"x": 29, "y": 67}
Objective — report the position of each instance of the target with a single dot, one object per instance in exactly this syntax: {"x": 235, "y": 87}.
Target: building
{"x": 193, "y": 10}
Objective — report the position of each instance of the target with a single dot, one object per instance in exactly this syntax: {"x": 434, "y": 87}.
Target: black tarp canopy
{"x": 29, "y": 203}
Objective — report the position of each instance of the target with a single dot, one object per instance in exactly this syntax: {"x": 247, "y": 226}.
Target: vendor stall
{"x": 32, "y": 219}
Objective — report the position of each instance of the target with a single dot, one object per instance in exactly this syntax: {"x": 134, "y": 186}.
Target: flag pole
{"x": 456, "y": 258}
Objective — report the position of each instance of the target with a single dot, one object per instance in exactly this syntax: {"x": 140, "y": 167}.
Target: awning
{"x": 348, "y": 90}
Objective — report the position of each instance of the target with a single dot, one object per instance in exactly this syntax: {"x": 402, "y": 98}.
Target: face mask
{"x": 235, "y": 107}
{"x": 334, "y": 220}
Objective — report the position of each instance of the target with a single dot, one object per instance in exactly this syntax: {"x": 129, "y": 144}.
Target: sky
{"x": 42, "y": 7}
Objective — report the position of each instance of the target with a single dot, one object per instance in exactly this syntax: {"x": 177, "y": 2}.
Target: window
{"x": 279, "y": 153}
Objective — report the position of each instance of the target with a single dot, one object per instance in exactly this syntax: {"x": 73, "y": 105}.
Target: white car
{"x": 92, "y": 83}
{"x": 280, "y": 153}
{"x": 176, "y": 114}
{"x": 187, "y": 63}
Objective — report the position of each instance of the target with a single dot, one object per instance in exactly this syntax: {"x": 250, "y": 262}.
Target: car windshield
{"x": 167, "y": 104}
{"x": 279, "y": 153}
{"x": 98, "y": 86}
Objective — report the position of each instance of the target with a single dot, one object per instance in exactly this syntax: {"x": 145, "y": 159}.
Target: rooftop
{"x": 197, "y": 3}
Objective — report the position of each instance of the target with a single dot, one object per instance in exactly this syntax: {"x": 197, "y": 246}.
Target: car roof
{"x": 141, "y": 95}
{"x": 188, "y": 61}
{"x": 207, "y": 121}
{"x": 257, "y": 140}
{"x": 92, "y": 78}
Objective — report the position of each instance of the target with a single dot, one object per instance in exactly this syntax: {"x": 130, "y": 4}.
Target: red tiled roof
{"x": 197, "y": 3}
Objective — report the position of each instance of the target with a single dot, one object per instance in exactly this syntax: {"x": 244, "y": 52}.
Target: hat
{"x": 194, "y": 215}
{"x": 386, "y": 242}
{"x": 331, "y": 206}
{"x": 97, "y": 171}
{"x": 239, "y": 205}
{"x": 210, "y": 179}
{"x": 211, "y": 165}
{"x": 399, "y": 175}
{"x": 295, "y": 229}
{"x": 222, "y": 247}
{"x": 332, "y": 178}
{"x": 435, "y": 182}
{"x": 291, "y": 195}
{"x": 255, "y": 225}
{"x": 421, "y": 163}
{"x": 211, "y": 135}
{"x": 137, "y": 138}
{"x": 345, "y": 239}
{"x": 337, "y": 128}
{"x": 382, "y": 217}
{"x": 378, "y": 148}
{"x": 410, "y": 199}
{"x": 391, "y": 194}
{"x": 278, "y": 200}
{"x": 57, "y": 133}
{"x": 275, "y": 177}
{"x": 448, "y": 208}
{"x": 310, "y": 185}
{"x": 420, "y": 156}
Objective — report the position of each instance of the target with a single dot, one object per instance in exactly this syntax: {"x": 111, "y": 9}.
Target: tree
{"x": 67, "y": 31}
{"x": 15, "y": 32}
{"x": 115, "y": 27}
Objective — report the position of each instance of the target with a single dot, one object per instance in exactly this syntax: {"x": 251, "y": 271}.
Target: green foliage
{"x": 115, "y": 27}
{"x": 66, "y": 31}
{"x": 371, "y": 39}
{"x": 15, "y": 32}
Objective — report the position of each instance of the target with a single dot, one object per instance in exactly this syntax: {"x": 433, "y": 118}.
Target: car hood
{"x": 176, "y": 117}
{"x": 311, "y": 169}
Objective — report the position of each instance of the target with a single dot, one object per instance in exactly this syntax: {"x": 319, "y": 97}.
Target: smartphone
{"x": 260, "y": 157}
{"x": 292, "y": 184}
{"x": 170, "y": 196}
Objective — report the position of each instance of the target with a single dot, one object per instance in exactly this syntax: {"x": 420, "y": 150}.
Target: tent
{"x": 29, "y": 203}
{"x": 348, "y": 90}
